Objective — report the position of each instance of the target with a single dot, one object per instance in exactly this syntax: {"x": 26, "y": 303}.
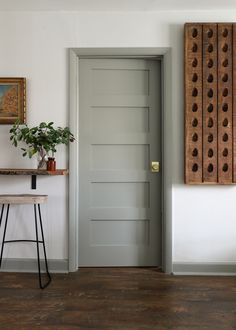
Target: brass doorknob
{"x": 155, "y": 166}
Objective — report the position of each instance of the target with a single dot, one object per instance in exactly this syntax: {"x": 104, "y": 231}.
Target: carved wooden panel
{"x": 193, "y": 102}
{"x": 209, "y": 90}
{"x": 225, "y": 68}
{"x": 210, "y": 109}
{"x": 234, "y": 103}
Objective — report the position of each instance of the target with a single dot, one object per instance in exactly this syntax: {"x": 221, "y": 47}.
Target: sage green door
{"x": 119, "y": 136}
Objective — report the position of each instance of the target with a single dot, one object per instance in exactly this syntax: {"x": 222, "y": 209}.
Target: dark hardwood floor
{"x": 117, "y": 298}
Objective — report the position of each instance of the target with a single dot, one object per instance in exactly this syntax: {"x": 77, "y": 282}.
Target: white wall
{"x": 35, "y": 45}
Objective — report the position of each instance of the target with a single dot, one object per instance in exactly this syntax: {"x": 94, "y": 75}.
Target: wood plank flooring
{"x": 117, "y": 298}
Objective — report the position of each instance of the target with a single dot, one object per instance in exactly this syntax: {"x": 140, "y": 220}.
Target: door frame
{"x": 165, "y": 56}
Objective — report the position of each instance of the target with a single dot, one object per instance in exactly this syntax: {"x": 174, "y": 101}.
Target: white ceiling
{"x": 115, "y": 5}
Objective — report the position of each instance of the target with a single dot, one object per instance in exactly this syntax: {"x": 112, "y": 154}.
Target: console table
{"x": 33, "y": 172}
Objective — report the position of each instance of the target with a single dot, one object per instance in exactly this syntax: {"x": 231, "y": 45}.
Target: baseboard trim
{"x": 31, "y": 265}
{"x": 208, "y": 268}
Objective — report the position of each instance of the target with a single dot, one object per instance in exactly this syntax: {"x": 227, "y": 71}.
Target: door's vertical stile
{"x": 234, "y": 103}
{"x": 85, "y": 147}
{"x": 209, "y": 103}
{"x": 155, "y": 150}
{"x": 193, "y": 103}
{"x": 225, "y": 103}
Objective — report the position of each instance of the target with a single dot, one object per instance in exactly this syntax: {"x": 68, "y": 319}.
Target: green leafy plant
{"x": 44, "y": 137}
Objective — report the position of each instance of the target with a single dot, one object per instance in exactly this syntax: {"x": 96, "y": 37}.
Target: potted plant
{"x": 41, "y": 140}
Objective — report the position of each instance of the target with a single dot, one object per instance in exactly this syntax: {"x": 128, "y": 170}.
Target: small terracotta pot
{"x": 51, "y": 164}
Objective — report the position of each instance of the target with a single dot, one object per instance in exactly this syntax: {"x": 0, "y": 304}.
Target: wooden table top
{"x": 29, "y": 171}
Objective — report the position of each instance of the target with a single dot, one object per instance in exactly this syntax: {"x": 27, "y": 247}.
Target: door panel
{"x": 117, "y": 157}
{"x": 119, "y": 135}
{"x": 121, "y": 120}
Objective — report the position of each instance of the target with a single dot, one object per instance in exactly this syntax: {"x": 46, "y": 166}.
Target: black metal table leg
{"x": 44, "y": 249}
{"x": 3, "y": 205}
{"x": 43, "y": 242}
{"x": 4, "y": 233}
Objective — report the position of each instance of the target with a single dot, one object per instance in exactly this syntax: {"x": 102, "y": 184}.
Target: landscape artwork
{"x": 12, "y": 100}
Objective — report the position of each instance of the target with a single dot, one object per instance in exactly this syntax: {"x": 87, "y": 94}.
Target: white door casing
{"x": 165, "y": 55}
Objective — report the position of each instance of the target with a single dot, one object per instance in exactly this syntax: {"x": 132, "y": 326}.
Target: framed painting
{"x": 12, "y": 100}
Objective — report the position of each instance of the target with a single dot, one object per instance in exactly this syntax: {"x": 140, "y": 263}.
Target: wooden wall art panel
{"x": 210, "y": 108}
{"x": 193, "y": 101}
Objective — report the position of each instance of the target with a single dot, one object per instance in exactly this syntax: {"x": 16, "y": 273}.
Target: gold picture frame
{"x": 12, "y": 100}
